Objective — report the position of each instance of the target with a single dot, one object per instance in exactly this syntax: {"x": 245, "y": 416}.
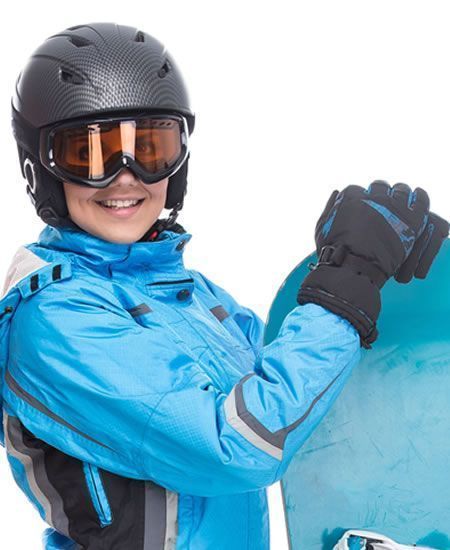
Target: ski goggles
{"x": 93, "y": 151}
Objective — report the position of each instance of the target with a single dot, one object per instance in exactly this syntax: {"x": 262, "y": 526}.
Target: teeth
{"x": 120, "y": 203}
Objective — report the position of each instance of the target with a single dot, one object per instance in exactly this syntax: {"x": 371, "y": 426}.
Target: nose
{"x": 125, "y": 177}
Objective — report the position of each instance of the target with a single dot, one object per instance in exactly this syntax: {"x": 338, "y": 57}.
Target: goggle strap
{"x": 26, "y": 135}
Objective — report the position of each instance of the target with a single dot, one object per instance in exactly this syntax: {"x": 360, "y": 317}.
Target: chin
{"x": 121, "y": 235}
{"x": 129, "y": 238}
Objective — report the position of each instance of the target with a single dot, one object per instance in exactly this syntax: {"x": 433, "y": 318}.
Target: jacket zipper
{"x": 97, "y": 492}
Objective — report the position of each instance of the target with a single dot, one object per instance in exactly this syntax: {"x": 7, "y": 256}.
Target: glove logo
{"x": 327, "y": 225}
{"x": 406, "y": 234}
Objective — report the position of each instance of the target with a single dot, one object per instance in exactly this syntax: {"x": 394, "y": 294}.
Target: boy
{"x": 141, "y": 410}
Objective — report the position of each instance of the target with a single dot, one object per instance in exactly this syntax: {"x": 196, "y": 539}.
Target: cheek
{"x": 158, "y": 190}
{"x": 77, "y": 194}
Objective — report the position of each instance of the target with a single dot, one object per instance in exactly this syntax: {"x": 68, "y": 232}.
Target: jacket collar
{"x": 166, "y": 251}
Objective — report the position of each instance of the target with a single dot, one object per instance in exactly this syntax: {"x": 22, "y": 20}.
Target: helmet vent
{"x": 75, "y": 39}
{"x": 79, "y": 41}
{"x": 69, "y": 76}
{"x": 164, "y": 69}
{"x": 139, "y": 37}
{"x": 75, "y": 27}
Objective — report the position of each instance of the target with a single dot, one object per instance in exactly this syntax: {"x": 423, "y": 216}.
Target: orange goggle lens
{"x": 90, "y": 151}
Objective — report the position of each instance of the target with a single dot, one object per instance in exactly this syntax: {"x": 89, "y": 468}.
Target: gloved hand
{"x": 363, "y": 237}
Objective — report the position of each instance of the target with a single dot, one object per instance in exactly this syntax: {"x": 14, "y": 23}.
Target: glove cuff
{"x": 351, "y": 295}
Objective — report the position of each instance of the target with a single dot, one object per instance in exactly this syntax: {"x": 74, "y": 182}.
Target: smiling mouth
{"x": 120, "y": 204}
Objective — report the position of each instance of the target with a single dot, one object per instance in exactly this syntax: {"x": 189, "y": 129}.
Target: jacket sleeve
{"x": 75, "y": 379}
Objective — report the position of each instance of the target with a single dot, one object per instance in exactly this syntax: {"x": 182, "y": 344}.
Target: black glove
{"x": 425, "y": 250}
{"x": 363, "y": 237}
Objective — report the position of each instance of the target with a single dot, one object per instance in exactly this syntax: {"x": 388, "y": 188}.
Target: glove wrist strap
{"x": 340, "y": 255}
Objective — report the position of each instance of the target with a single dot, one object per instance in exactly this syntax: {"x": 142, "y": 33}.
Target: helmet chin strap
{"x": 163, "y": 224}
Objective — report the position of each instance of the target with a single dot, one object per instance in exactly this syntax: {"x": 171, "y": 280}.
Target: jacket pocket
{"x": 172, "y": 292}
{"x": 98, "y": 494}
{"x": 239, "y": 338}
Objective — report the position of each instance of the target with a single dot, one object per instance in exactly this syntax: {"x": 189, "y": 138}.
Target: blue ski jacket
{"x": 141, "y": 410}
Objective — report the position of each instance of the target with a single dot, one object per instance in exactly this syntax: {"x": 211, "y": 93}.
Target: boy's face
{"x": 120, "y": 225}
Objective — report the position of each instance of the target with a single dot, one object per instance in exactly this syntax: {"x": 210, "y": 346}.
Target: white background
{"x": 293, "y": 100}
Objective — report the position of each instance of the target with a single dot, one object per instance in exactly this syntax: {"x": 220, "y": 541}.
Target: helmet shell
{"x": 98, "y": 68}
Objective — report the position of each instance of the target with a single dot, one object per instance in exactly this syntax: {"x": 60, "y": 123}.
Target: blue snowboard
{"x": 380, "y": 459}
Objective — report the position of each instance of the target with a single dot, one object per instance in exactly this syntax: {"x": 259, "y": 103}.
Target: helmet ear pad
{"x": 177, "y": 186}
{"x": 45, "y": 191}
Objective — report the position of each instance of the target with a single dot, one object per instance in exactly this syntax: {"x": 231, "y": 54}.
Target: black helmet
{"x": 84, "y": 71}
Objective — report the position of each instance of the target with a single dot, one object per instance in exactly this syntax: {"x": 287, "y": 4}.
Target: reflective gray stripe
{"x": 245, "y": 430}
{"x": 253, "y": 430}
{"x": 172, "y": 520}
{"x": 220, "y": 312}
{"x": 139, "y": 310}
{"x": 20, "y": 392}
{"x": 276, "y": 439}
{"x": 161, "y": 518}
{"x": 32, "y": 460}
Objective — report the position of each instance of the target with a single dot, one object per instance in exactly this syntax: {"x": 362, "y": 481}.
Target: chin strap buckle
{"x": 162, "y": 224}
